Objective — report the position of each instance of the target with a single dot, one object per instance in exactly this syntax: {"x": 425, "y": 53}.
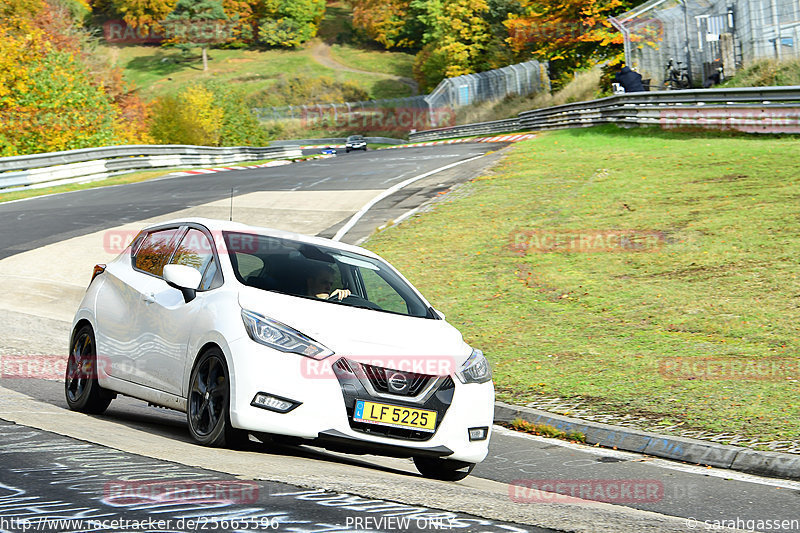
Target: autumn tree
{"x": 144, "y": 14}
{"x": 197, "y": 24}
{"x": 456, "y": 35}
{"x": 190, "y": 117}
{"x": 243, "y": 20}
{"x": 290, "y": 23}
{"x": 54, "y": 95}
{"x": 389, "y": 22}
{"x": 570, "y": 34}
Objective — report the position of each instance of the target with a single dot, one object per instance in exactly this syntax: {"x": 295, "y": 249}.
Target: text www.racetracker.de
{"x": 211, "y": 524}
{"x": 147, "y": 524}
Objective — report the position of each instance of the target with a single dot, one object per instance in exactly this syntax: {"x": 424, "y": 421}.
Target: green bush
{"x": 189, "y": 117}
{"x": 287, "y": 32}
{"x": 240, "y": 126}
{"x": 299, "y": 90}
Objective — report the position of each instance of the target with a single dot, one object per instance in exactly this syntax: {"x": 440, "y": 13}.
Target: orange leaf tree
{"x": 570, "y": 34}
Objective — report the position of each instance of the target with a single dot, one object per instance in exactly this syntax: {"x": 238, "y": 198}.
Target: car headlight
{"x": 281, "y": 337}
{"x": 475, "y": 369}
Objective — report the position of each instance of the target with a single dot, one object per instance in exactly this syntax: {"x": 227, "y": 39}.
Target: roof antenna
{"x": 231, "y": 215}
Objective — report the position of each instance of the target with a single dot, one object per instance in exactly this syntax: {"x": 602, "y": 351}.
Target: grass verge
{"x": 717, "y": 288}
{"x": 543, "y": 430}
{"x": 767, "y": 73}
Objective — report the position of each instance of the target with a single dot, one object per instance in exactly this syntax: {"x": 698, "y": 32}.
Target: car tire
{"x": 443, "y": 469}
{"x": 82, "y": 391}
{"x": 208, "y": 403}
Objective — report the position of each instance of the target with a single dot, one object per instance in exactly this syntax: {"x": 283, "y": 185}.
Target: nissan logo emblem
{"x": 398, "y": 382}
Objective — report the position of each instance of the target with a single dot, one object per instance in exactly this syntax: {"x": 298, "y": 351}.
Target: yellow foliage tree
{"x": 190, "y": 117}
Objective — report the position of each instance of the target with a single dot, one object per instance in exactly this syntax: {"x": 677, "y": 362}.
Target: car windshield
{"x": 316, "y": 272}
{"x": 355, "y": 138}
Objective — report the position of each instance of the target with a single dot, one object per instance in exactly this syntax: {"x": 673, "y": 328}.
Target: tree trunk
{"x": 205, "y": 59}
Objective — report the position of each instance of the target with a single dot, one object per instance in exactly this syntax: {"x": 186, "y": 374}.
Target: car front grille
{"x": 438, "y": 396}
{"x": 380, "y": 378}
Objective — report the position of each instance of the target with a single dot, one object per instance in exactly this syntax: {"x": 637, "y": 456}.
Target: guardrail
{"x": 750, "y": 109}
{"x": 335, "y": 140}
{"x": 480, "y": 128}
{"x": 98, "y": 163}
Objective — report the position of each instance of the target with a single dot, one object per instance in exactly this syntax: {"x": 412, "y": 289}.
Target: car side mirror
{"x": 184, "y": 278}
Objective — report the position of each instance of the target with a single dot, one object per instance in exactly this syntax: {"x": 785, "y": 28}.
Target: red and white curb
{"x": 278, "y": 163}
{"x": 315, "y": 146}
{"x": 494, "y": 139}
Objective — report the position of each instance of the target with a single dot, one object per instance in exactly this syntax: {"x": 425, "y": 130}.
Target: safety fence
{"x": 437, "y": 109}
{"x": 773, "y": 110}
{"x": 707, "y": 36}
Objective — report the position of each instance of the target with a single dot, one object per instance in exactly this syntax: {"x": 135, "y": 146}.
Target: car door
{"x": 123, "y": 335}
{"x": 169, "y": 319}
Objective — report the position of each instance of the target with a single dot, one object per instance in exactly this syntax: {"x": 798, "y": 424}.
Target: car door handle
{"x": 151, "y": 299}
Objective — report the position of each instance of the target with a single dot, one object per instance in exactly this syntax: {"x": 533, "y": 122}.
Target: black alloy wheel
{"x": 208, "y": 404}
{"x": 81, "y": 389}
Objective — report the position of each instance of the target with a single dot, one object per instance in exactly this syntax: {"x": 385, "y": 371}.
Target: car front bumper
{"x": 322, "y": 415}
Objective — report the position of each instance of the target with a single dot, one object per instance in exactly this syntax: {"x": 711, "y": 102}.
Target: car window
{"x": 379, "y": 291}
{"x": 306, "y": 270}
{"x": 195, "y": 251}
{"x": 154, "y": 252}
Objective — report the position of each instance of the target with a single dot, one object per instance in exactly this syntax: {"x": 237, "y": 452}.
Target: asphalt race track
{"x": 59, "y": 464}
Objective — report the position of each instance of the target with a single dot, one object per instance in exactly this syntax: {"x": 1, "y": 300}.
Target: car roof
{"x": 215, "y": 225}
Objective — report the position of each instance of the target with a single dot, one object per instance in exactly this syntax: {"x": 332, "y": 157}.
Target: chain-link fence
{"x": 707, "y": 37}
{"x": 401, "y": 115}
{"x": 521, "y": 79}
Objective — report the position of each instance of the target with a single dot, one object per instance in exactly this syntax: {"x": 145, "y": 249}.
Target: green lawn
{"x": 396, "y": 63}
{"x": 721, "y": 281}
{"x": 156, "y": 70}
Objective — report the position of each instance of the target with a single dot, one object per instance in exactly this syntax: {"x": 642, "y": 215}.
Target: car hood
{"x": 359, "y": 332}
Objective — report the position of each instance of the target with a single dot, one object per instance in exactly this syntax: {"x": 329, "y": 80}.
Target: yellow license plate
{"x": 393, "y": 415}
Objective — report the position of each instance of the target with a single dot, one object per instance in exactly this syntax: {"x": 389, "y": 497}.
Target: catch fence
{"x": 708, "y": 36}
{"x": 437, "y": 109}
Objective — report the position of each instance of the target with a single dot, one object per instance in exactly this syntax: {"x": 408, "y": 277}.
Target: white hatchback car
{"x": 252, "y": 330}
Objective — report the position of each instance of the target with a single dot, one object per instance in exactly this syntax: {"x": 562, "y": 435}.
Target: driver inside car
{"x": 320, "y": 284}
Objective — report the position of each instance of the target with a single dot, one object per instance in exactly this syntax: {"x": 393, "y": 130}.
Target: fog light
{"x": 478, "y": 433}
{"x": 273, "y": 403}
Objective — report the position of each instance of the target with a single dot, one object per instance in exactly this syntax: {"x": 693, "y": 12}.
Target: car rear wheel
{"x": 81, "y": 389}
{"x": 443, "y": 469}
{"x": 208, "y": 405}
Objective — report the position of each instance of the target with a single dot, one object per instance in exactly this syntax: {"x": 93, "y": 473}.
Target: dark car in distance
{"x": 355, "y": 142}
